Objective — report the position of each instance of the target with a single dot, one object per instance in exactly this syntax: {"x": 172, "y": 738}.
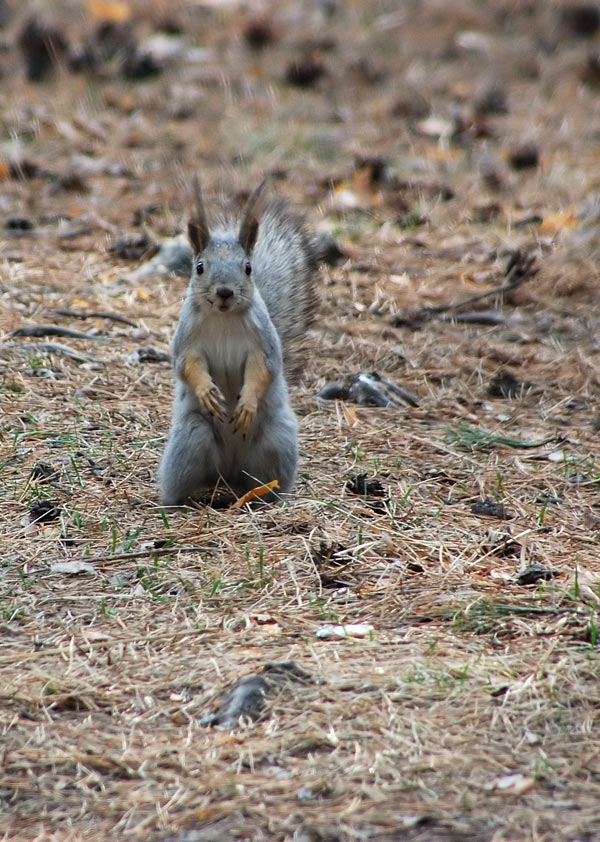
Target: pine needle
{"x": 468, "y": 437}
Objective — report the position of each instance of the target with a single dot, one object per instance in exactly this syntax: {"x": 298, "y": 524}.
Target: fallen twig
{"x": 55, "y": 330}
{"x": 153, "y": 551}
{"x": 518, "y": 269}
{"x": 77, "y": 314}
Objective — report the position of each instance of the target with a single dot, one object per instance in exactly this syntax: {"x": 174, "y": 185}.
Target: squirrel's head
{"x": 222, "y": 268}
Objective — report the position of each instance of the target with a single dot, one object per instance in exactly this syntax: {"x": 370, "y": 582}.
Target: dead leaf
{"x": 350, "y": 415}
{"x": 259, "y": 491}
{"x": 127, "y": 102}
{"x": 94, "y": 635}
{"x": 114, "y": 11}
{"x": 441, "y": 153}
{"x": 263, "y": 619}
{"x": 555, "y": 222}
{"x": 362, "y": 180}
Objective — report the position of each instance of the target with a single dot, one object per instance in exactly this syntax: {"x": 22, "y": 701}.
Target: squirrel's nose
{"x": 224, "y": 293}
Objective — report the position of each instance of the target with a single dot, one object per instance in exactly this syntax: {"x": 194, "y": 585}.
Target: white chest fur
{"x": 225, "y": 340}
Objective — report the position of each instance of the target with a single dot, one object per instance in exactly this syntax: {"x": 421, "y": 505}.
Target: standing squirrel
{"x": 250, "y": 296}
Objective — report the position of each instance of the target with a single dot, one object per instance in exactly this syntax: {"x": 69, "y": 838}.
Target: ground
{"x": 438, "y": 144}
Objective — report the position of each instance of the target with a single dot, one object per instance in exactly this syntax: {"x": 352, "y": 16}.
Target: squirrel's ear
{"x": 250, "y": 220}
{"x": 197, "y": 226}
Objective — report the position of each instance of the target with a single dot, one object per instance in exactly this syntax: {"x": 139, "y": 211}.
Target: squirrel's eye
{"x": 248, "y": 267}
{"x": 199, "y": 267}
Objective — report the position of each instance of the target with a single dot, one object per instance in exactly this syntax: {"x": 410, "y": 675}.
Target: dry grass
{"x": 468, "y": 677}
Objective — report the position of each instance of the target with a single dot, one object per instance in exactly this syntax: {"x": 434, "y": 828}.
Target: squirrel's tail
{"x": 284, "y": 266}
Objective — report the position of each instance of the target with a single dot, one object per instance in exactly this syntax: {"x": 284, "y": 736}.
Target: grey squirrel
{"x": 251, "y": 296}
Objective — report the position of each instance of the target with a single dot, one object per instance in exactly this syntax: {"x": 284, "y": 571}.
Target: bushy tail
{"x": 284, "y": 265}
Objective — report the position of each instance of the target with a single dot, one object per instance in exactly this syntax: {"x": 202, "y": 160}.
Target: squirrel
{"x": 251, "y": 296}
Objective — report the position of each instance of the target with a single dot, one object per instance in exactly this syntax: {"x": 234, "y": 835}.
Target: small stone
{"x": 19, "y": 223}
{"x": 142, "y": 65}
{"x": 524, "y": 157}
{"x": 505, "y": 385}
{"x": 501, "y": 544}
{"x": 490, "y": 508}
{"x": 113, "y": 39}
{"x": 43, "y": 472}
{"x": 174, "y": 255}
{"x": 305, "y": 72}
{"x": 487, "y": 212}
{"x": 367, "y": 71}
{"x": 42, "y": 45}
{"x": 133, "y": 247}
{"x": 148, "y": 354}
{"x": 258, "y": 33}
{"x": 328, "y": 251}
{"x": 535, "y": 573}
{"x": 337, "y": 391}
{"x": 43, "y": 511}
{"x": 415, "y": 567}
{"x": 23, "y": 168}
{"x": 591, "y": 72}
{"x": 364, "y": 486}
{"x": 375, "y": 166}
{"x": 583, "y": 19}
{"x": 70, "y": 182}
{"x": 492, "y": 176}
{"x": 81, "y": 58}
{"x": 412, "y": 105}
{"x": 492, "y": 100}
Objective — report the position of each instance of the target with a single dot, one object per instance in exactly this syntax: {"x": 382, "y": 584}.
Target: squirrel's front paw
{"x": 212, "y": 402}
{"x": 243, "y": 415}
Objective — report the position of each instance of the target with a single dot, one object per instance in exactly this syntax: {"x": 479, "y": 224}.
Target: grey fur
{"x": 285, "y": 261}
{"x": 267, "y": 310}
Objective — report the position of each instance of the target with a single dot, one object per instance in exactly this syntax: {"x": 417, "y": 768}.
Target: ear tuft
{"x": 251, "y": 218}
{"x": 197, "y": 226}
